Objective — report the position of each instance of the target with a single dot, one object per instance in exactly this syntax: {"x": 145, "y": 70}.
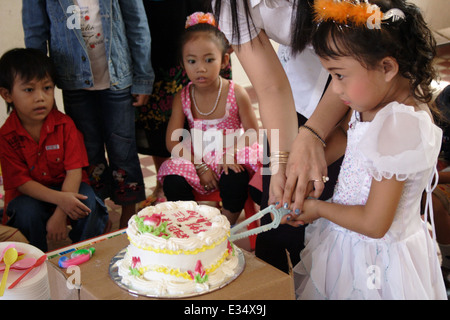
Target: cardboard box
{"x": 258, "y": 281}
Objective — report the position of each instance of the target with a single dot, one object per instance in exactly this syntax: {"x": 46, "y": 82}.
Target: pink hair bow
{"x": 200, "y": 17}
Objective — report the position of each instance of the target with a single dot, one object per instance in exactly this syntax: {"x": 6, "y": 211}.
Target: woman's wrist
{"x": 308, "y": 129}
{"x": 278, "y": 161}
{"x": 279, "y": 157}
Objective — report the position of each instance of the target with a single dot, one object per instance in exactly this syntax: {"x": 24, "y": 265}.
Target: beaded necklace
{"x": 215, "y": 105}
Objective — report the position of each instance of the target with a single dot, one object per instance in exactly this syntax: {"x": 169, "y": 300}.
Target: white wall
{"x": 436, "y": 12}
{"x": 11, "y": 36}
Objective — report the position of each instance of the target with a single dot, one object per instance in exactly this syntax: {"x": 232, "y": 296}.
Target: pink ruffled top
{"x": 207, "y": 130}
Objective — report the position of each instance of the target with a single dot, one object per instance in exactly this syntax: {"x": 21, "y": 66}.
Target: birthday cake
{"x": 177, "y": 248}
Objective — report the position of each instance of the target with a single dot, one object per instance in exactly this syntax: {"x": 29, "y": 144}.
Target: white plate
{"x": 33, "y": 276}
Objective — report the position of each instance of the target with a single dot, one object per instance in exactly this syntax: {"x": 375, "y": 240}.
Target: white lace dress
{"x": 341, "y": 264}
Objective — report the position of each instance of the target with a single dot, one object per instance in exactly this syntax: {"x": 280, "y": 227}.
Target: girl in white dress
{"x": 369, "y": 241}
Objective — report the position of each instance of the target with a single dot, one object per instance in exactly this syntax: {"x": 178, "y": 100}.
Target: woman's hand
{"x": 306, "y": 163}
{"x": 277, "y": 183}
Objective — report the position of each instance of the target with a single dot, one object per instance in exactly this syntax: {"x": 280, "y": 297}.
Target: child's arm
{"x": 67, "y": 202}
{"x": 246, "y": 112}
{"x": 176, "y": 122}
{"x": 68, "y": 199}
{"x": 70, "y": 204}
{"x": 337, "y": 141}
{"x": 248, "y": 120}
{"x": 174, "y": 127}
{"x": 372, "y": 219}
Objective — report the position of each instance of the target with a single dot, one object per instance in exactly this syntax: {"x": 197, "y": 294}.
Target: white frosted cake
{"x": 177, "y": 248}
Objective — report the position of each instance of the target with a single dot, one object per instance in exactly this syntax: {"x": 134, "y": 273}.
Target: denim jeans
{"x": 107, "y": 120}
{"x": 30, "y": 216}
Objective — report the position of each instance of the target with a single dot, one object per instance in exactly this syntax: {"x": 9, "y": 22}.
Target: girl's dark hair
{"x": 409, "y": 41}
{"x": 301, "y": 28}
{"x": 28, "y": 64}
{"x": 215, "y": 34}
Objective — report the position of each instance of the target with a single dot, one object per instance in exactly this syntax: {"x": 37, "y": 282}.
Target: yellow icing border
{"x": 177, "y": 252}
{"x": 185, "y": 275}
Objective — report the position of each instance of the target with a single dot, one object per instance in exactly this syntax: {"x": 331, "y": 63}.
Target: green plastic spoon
{"x": 9, "y": 258}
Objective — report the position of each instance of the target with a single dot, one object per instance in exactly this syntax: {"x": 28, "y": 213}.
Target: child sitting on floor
{"x": 42, "y": 156}
{"x": 216, "y": 108}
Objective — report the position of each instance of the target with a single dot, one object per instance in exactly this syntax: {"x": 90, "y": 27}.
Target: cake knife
{"x": 278, "y": 214}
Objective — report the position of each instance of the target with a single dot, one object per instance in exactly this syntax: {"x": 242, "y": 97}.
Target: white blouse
{"x": 304, "y": 71}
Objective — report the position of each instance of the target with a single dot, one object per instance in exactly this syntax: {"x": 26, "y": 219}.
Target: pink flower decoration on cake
{"x": 135, "y": 262}
{"x": 153, "y": 220}
{"x": 230, "y": 248}
{"x": 199, "y": 275}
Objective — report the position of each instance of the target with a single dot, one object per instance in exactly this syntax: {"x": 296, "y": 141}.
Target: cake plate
{"x": 114, "y": 274}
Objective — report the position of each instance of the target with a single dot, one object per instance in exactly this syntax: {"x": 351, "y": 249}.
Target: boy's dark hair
{"x": 26, "y": 63}
{"x": 409, "y": 41}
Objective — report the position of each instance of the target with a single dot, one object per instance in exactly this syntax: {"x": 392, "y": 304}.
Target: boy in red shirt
{"x": 42, "y": 157}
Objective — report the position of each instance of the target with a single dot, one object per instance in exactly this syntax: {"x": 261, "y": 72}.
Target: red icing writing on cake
{"x": 186, "y": 220}
{"x": 176, "y": 231}
{"x": 196, "y": 227}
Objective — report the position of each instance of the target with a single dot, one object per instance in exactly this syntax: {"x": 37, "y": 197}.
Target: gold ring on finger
{"x": 324, "y": 179}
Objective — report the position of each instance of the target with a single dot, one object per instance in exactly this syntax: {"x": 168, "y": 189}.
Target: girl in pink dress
{"x": 213, "y": 154}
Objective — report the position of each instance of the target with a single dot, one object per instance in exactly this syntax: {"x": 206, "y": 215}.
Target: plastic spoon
{"x": 20, "y": 254}
{"x": 22, "y": 264}
{"x": 6, "y": 249}
{"x": 36, "y": 264}
{"x": 10, "y": 257}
